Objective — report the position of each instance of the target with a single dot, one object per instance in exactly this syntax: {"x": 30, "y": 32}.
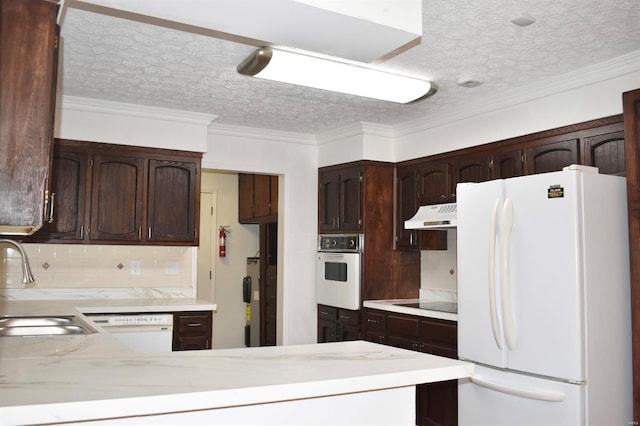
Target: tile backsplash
{"x": 104, "y": 266}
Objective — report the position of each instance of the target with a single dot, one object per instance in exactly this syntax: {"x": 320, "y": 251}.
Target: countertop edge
{"x": 387, "y": 305}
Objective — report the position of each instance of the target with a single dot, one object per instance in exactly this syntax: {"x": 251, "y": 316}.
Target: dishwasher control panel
{"x": 123, "y": 320}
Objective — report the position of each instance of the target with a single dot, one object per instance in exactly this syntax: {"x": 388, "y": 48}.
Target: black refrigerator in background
{"x": 251, "y": 297}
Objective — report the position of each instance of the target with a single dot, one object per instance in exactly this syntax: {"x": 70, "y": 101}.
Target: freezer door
{"x": 480, "y": 333}
{"x": 507, "y": 399}
{"x": 543, "y": 293}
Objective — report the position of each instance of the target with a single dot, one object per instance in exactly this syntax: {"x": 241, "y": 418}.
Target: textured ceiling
{"x": 111, "y": 58}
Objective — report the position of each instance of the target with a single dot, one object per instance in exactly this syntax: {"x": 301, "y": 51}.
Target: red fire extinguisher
{"x": 222, "y": 249}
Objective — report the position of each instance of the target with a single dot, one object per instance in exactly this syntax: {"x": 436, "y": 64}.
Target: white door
{"x": 499, "y": 398}
{"x": 208, "y": 236}
{"x": 544, "y": 275}
{"x": 480, "y": 338}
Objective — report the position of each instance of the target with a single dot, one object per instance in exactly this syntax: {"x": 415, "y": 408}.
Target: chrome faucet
{"x": 27, "y": 276}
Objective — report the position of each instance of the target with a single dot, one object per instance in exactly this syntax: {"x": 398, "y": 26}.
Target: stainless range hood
{"x": 437, "y": 216}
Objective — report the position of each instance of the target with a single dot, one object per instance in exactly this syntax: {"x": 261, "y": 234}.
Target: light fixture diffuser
{"x": 328, "y": 74}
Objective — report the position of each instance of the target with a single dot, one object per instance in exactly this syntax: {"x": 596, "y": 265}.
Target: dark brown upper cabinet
{"x": 469, "y": 168}
{"x": 257, "y": 198}
{"x": 606, "y": 152}
{"x": 406, "y": 208}
{"x": 507, "y": 164}
{"x": 123, "y": 195}
{"x": 117, "y": 198}
{"x": 434, "y": 183}
{"x": 28, "y": 68}
{"x": 172, "y": 201}
{"x": 551, "y": 157}
{"x": 340, "y": 200}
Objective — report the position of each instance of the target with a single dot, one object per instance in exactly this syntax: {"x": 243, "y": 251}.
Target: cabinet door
{"x": 470, "y": 168}
{"x": 116, "y": 198}
{"x": 245, "y": 197}
{"x": 28, "y": 52}
{"x": 68, "y": 188}
{"x": 262, "y": 195}
{"x": 606, "y": 152}
{"x": 350, "y": 202}
{"x": 437, "y": 404}
{"x": 552, "y": 157}
{"x": 329, "y": 201}
{"x": 433, "y": 184}
{"x": 406, "y": 207}
{"x": 173, "y": 203}
{"x": 274, "y": 195}
{"x": 192, "y": 330}
{"x": 507, "y": 165}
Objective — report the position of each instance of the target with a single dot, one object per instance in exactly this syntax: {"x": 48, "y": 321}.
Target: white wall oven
{"x": 338, "y": 270}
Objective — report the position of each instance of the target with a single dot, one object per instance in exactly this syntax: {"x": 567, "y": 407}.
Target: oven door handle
{"x": 334, "y": 255}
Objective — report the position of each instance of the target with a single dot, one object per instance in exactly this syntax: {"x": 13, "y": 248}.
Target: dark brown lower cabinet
{"x": 192, "y": 330}
{"x": 436, "y": 403}
{"x": 338, "y": 325}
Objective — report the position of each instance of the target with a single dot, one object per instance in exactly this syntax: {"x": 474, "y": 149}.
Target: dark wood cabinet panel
{"x": 117, "y": 198}
{"x": 552, "y": 157}
{"x": 257, "y": 198}
{"x": 631, "y": 106}
{"x": 28, "y": 68}
{"x": 606, "y": 152}
{"x": 192, "y": 330}
{"x": 68, "y": 193}
{"x": 469, "y": 168}
{"x": 406, "y": 208}
{"x": 507, "y": 164}
{"x": 340, "y": 200}
{"x": 338, "y": 325}
{"x": 438, "y": 404}
{"x": 434, "y": 183}
{"x": 122, "y": 195}
{"x": 173, "y": 208}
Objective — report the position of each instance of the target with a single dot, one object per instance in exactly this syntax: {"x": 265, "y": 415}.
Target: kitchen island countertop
{"x": 75, "y": 388}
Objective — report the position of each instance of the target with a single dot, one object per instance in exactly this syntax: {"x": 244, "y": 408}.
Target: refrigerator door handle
{"x": 492, "y": 276}
{"x": 509, "y": 325}
{"x": 541, "y": 395}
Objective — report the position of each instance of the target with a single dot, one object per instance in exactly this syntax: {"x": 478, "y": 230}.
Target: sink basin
{"x": 42, "y": 326}
{"x": 35, "y": 321}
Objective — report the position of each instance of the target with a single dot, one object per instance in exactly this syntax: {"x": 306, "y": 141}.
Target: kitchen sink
{"x": 42, "y": 326}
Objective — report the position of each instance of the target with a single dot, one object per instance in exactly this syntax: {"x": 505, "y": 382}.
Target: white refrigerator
{"x": 544, "y": 300}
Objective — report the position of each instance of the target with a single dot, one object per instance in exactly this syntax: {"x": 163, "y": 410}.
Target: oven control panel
{"x": 119, "y": 320}
{"x": 340, "y": 243}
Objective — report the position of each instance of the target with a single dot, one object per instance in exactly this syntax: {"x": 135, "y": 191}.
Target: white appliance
{"x": 436, "y": 216}
{"x": 144, "y": 332}
{"x": 544, "y": 300}
{"x": 338, "y": 266}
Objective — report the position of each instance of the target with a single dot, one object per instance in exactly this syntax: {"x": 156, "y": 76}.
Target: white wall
{"x": 294, "y": 158}
{"x": 588, "y": 102}
{"x": 242, "y": 241}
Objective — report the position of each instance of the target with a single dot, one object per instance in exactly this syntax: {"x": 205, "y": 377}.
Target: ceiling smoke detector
{"x": 523, "y": 20}
{"x": 470, "y": 82}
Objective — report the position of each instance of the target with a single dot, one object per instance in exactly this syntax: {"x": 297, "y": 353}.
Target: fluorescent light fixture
{"x": 333, "y": 75}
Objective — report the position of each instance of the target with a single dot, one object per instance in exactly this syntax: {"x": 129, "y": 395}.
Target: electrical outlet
{"x": 135, "y": 267}
{"x": 171, "y": 267}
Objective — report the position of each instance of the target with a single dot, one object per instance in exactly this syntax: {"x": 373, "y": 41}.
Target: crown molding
{"x": 129, "y": 110}
{"x": 603, "y": 71}
{"x": 360, "y": 128}
{"x": 262, "y": 134}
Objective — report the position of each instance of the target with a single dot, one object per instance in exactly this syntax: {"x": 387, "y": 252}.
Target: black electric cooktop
{"x": 449, "y": 307}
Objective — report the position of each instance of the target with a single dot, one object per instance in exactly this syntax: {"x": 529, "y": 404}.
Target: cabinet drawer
{"x": 399, "y": 342}
{"x": 327, "y": 313}
{"x": 374, "y": 320}
{"x": 402, "y": 325}
{"x": 440, "y": 332}
{"x": 192, "y": 325}
{"x": 349, "y": 317}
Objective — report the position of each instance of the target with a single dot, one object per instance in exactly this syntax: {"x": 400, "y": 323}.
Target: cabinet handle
{"x": 82, "y": 232}
{"x": 444, "y": 197}
{"x": 139, "y": 232}
{"x": 52, "y": 207}
{"x": 194, "y": 324}
{"x": 149, "y": 233}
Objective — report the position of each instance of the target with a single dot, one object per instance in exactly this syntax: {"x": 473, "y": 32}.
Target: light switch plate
{"x": 171, "y": 267}
{"x": 135, "y": 267}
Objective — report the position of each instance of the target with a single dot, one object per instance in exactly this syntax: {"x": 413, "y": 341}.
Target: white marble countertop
{"x": 87, "y": 344}
{"x": 81, "y": 387}
{"x": 391, "y": 305}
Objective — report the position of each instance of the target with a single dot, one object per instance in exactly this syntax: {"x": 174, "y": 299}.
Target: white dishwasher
{"x": 143, "y": 332}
